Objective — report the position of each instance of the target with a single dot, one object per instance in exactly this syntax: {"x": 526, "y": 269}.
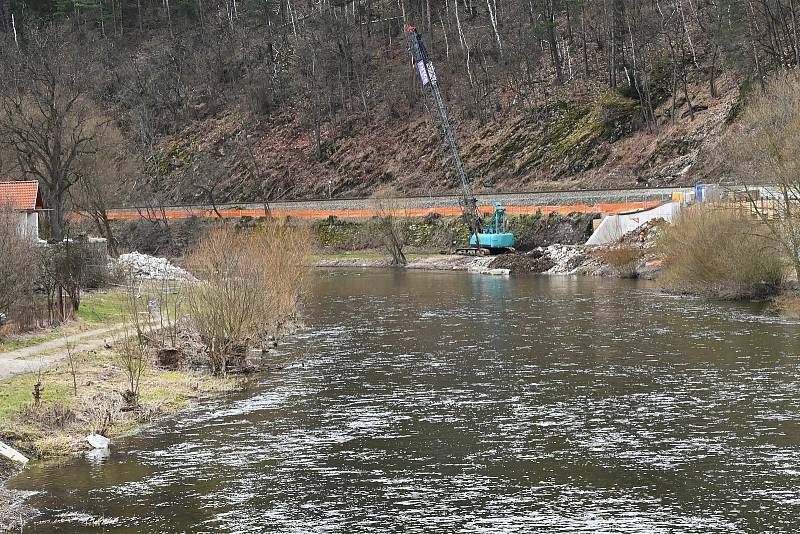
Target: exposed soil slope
{"x": 599, "y": 143}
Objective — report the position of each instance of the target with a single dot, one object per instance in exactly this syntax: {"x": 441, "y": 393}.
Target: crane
{"x": 492, "y": 238}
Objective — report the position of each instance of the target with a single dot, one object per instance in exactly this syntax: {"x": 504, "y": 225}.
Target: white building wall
{"x": 28, "y": 225}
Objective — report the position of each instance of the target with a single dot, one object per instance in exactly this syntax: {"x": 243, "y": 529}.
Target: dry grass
{"x": 63, "y": 418}
{"x": 787, "y": 304}
{"x": 720, "y": 253}
{"x": 622, "y": 258}
{"x": 251, "y": 286}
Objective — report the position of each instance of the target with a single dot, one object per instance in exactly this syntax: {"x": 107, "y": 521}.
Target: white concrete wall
{"x": 28, "y": 225}
{"x": 614, "y": 227}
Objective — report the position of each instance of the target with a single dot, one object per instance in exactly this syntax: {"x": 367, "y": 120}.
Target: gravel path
{"x": 31, "y": 359}
{"x": 554, "y": 198}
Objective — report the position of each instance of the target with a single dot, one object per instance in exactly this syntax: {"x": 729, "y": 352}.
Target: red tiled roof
{"x": 23, "y": 196}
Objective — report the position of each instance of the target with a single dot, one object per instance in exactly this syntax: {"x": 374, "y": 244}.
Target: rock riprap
{"x": 150, "y": 267}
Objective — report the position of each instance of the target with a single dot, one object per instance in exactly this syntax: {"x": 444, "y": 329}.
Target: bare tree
{"x": 45, "y": 115}
{"x": 104, "y": 179}
{"x": 764, "y": 151}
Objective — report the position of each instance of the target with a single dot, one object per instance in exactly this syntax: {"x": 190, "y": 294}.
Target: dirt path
{"x": 31, "y": 359}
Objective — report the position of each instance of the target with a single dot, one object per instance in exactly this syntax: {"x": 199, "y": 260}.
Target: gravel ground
{"x": 555, "y": 198}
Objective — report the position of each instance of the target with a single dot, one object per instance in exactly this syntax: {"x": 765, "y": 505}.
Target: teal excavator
{"x": 485, "y": 238}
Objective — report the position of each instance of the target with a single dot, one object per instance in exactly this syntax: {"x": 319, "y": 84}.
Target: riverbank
{"x": 634, "y": 256}
{"x": 552, "y": 260}
{"x": 70, "y": 409}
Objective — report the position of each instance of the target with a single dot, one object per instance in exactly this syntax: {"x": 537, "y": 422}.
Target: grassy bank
{"x": 98, "y": 308}
{"x": 64, "y": 415}
{"x": 57, "y": 425}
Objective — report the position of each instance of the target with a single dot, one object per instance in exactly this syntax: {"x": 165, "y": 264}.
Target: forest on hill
{"x": 111, "y": 102}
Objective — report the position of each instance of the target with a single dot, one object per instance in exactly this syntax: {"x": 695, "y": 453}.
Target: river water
{"x": 447, "y": 402}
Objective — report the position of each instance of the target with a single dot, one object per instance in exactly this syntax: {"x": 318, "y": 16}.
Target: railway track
{"x": 605, "y": 200}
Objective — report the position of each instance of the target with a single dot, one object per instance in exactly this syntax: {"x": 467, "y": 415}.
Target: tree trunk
{"x": 111, "y": 241}
{"x": 55, "y": 217}
{"x": 5, "y": 15}
{"x": 551, "y": 35}
{"x": 583, "y": 39}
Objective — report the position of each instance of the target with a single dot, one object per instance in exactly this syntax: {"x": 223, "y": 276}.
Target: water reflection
{"x": 444, "y": 402}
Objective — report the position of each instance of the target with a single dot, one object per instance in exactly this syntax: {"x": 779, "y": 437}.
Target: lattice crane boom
{"x": 430, "y": 83}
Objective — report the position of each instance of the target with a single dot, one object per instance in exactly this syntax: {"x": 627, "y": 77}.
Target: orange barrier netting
{"x": 185, "y": 213}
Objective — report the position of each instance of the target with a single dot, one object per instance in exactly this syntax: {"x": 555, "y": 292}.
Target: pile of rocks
{"x": 567, "y": 259}
{"x": 651, "y": 230}
{"x": 535, "y": 261}
{"x": 148, "y": 267}
{"x": 555, "y": 259}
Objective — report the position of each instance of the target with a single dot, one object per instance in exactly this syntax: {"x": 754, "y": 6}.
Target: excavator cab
{"x": 495, "y": 236}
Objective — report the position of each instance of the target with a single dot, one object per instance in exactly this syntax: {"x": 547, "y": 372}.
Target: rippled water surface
{"x": 424, "y": 402}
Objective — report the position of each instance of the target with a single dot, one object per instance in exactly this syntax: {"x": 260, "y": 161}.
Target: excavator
{"x": 485, "y": 238}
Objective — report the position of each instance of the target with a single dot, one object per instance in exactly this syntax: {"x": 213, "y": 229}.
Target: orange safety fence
{"x": 235, "y": 213}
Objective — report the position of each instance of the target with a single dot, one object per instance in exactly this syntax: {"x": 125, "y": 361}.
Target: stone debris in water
{"x": 97, "y": 441}
{"x": 12, "y": 454}
{"x": 151, "y": 267}
{"x": 483, "y": 265}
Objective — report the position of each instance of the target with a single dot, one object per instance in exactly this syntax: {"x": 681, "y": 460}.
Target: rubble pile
{"x": 651, "y": 229}
{"x": 567, "y": 259}
{"x": 535, "y": 261}
{"x": 555, "y": 259}
{"x": 148, "y": 267}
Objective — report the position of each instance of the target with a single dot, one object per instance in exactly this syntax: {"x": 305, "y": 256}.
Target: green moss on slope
{"x": 558, "y": 137}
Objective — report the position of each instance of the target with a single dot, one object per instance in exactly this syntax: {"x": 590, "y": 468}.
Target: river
{"x": 447, "y": 402}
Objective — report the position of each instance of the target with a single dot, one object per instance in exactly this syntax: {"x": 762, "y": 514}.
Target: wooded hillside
{"x": 227, "y": 100}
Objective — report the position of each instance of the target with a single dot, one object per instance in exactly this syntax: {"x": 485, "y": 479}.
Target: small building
{"x": 25, "y": 200}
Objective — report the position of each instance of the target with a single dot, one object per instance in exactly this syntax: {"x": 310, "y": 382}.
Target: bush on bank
{"x": 250, "y": 286}
{"x": 720, "y": 253}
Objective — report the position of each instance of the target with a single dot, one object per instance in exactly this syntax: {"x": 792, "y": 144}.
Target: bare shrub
{"x": 720, "y": 253}
{"x": 132, "y": 347}
{"x": 250, "y": 288}
{"x": 132, "y": 352}
{"x": 392, "y": 223}
{"x": 18, "y": 265}
{"x": 155, "y": 309}
{"x": 73, "y": 361}
{"x": 763, "y": 149}
{"x": 100, "y": 413}
{"x": 50, "y": 417}
{"x": 70, "y": 267}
